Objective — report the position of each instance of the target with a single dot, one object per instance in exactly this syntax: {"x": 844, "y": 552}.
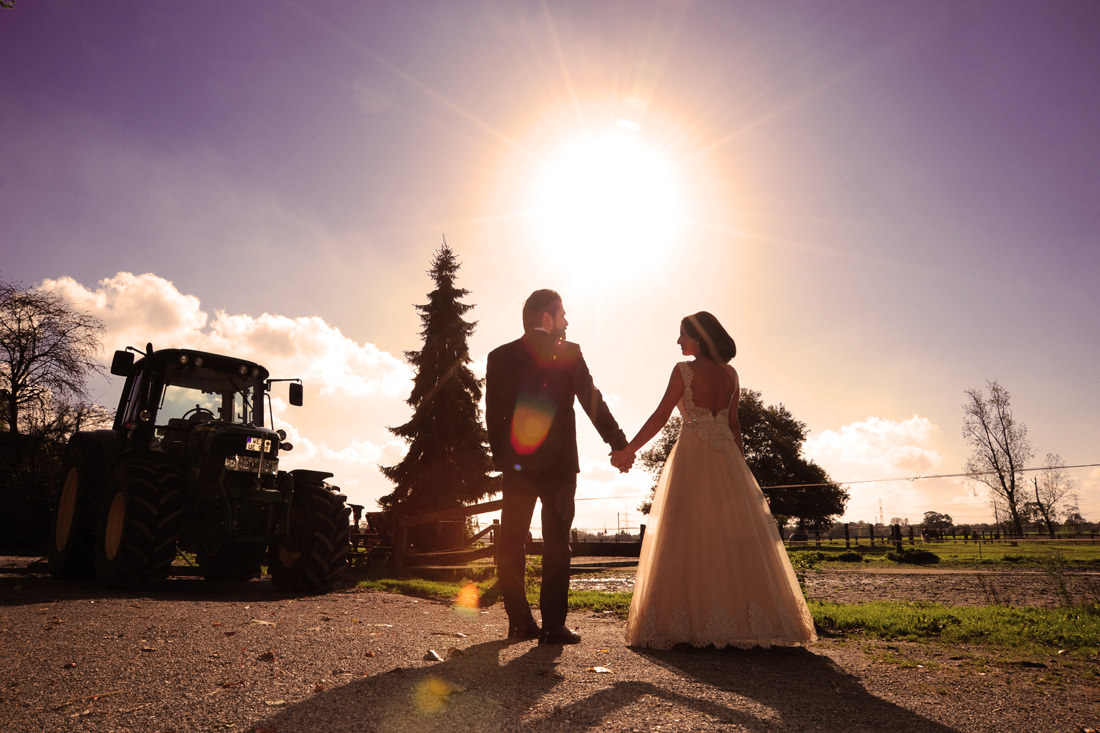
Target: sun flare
{"x": 608, "y": 205}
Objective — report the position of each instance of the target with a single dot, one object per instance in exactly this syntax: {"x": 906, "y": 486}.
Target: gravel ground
{"x": 200, "y": 656}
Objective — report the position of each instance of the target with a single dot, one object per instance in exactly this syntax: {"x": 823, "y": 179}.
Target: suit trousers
{"x": 557, "y": 492}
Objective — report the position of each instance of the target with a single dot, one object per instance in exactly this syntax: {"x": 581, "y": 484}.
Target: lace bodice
{"x": 711, "y": 427}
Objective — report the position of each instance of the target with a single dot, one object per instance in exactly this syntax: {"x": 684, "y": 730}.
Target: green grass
{"x": 1074, "y": 629}
{"x": 420, "y": 588}
{"x": 618, "y": 603}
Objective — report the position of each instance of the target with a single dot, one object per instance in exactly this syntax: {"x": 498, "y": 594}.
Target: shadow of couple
{"x": 495, "y": 686}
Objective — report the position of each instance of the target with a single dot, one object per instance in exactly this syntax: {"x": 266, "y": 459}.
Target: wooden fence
{"x": 403, "y": 558}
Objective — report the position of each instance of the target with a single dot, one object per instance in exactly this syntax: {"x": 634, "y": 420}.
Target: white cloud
{"x": 315, "y": 351}
{"x": 879, "y": 448}
{"x": 137, "y": 309}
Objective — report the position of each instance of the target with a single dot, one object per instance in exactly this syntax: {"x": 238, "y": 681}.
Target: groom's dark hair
{"x": 714, "y": 341}
{"x": 539, "y": 302}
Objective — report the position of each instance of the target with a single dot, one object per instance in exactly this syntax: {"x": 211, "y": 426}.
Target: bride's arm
{"x": 735, "y": 420}
{"x": 660, "y": 416}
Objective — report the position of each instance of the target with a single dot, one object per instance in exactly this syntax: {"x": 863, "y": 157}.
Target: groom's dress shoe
{"x": 529, "y": 630}
{"x": 560, "y": 635}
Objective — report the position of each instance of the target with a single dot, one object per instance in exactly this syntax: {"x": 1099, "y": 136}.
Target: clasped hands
{"x": 622, "y": 459}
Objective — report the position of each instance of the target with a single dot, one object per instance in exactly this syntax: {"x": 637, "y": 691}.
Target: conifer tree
{"x": 448, "y": 462}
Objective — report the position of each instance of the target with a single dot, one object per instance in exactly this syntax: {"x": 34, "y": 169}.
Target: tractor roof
{"x": 219, "y": 362}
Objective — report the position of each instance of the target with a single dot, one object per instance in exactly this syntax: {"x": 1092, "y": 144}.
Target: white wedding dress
{"x": 713, "y": 569}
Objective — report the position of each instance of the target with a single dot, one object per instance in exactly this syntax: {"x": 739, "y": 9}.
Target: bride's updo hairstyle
{"x": 714, "y": 342}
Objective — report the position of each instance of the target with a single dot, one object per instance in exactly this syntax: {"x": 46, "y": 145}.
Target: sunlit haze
{"x": 609, "y": 206}
{"x": 884, "y": 203}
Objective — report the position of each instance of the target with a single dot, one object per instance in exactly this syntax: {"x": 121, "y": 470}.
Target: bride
{"x": 713, "y": 569}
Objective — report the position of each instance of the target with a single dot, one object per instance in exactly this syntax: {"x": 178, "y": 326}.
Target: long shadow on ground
{"x": 806, "y": 691}
{"x": 689, "y": 689}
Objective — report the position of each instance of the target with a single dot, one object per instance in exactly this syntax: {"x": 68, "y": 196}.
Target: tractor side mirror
{"x": 123, "y": 363}
{"x": 296, "y": 394}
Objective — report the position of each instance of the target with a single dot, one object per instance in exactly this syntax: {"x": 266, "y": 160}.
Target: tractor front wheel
{"x": 316, "y": 553}
{"x": 139, "y": 523}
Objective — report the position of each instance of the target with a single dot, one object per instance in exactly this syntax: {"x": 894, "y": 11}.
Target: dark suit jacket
{"x": 530, "y": 386}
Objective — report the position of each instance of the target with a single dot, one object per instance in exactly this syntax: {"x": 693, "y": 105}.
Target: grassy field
{"x": 1070, "y": 630}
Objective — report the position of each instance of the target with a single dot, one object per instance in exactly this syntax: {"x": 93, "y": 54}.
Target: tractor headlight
{"x": 252, "y": 464}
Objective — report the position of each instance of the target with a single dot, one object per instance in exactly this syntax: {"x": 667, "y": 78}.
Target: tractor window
{"x": 179, "y": 401}
{"x": 205, "y": 394}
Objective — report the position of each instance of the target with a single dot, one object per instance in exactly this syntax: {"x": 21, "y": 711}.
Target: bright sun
{"x": 608, "y": 205}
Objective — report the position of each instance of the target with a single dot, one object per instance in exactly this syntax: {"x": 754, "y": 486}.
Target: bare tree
{"x": 47, "y": 351}
{"x": 57, "y": 420}
{"x": 1051, "y": 486}
{"x": 1000, "y": 448}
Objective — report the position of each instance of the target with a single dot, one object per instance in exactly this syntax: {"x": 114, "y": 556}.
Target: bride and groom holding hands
{"x": 713, "y": 569}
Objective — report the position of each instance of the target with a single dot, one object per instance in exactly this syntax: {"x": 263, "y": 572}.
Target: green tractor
{"x": 189, "y": 465}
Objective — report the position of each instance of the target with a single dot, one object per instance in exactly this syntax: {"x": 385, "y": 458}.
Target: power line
{"x": 973, "y": 474}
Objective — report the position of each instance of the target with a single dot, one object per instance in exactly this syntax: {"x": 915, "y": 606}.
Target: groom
{"x": 530, "y": 386}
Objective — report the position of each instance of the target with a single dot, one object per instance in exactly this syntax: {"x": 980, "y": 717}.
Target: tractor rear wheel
{"x": 72, "y": 533}
{"x": 231, "y": 561}
{"x": 139, "y": 523}
{"x": 316, "y": 553}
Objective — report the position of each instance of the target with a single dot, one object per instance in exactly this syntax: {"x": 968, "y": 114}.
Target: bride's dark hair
{"x": 714, "y": 342}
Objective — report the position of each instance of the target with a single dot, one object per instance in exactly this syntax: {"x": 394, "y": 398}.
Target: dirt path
{"x": 198, "y": 656}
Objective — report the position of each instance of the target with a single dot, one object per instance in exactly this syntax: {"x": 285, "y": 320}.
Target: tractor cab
{"x": 170, "y": 392}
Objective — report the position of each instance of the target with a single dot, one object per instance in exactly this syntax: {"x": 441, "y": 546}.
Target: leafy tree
{"x": 1030, "y": 513}
{"x": 1000, "y": 449}
{"x": 47, "y": 351}
{"x": 447, "y": 464}
{"x": 935, "y": 520}
{"x": 1051, "y": 486}
{"x": 1074, "y": 520}
{"x": 796, "y": 488}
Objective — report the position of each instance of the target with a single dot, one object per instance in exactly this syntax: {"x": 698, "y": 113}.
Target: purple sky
{"x": 885, "y": 202}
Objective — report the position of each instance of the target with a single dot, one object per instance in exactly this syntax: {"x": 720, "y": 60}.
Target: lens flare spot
{"x": 530, "y": 424}
{"x": 467, "y": 600}
{"x": 431, "y": 695}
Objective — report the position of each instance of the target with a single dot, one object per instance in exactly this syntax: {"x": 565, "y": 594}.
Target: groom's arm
{"x": 593, "y": 404}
